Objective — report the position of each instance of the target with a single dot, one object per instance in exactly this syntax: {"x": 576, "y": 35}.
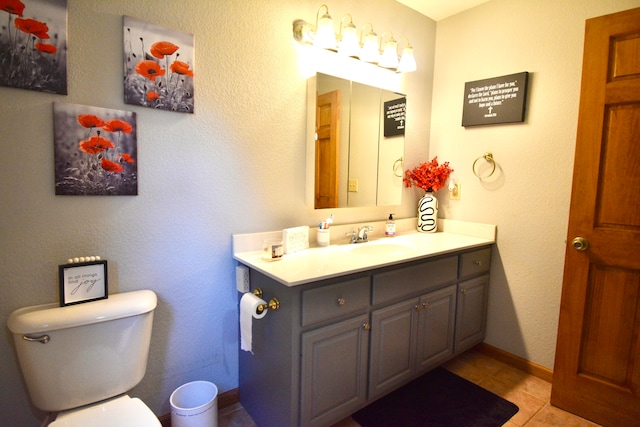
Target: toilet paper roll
{"x": 248, "y": 311}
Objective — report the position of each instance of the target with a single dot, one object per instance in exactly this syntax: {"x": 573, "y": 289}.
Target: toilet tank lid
{"x": 52, "y": 317}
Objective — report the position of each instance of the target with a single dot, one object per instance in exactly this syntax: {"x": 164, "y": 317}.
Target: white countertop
{"x": 342, "y": 258}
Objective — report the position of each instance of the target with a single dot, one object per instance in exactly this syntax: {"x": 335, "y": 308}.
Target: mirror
{"x": 357, "y": 145}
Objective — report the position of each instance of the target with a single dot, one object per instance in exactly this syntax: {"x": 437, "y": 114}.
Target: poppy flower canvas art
{"x": 96, "y": 150}
{"x": 158, "y": 66}
{"x": 33, "y": 45}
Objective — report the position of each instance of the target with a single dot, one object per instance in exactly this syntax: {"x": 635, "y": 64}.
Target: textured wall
{"x": 237, "y": 165}
{"x": 529, "y": 199}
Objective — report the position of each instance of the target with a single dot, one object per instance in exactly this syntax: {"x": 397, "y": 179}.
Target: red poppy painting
{"x": 33, "y": 45}
{"x": 95, "y": 150}
{"x": 158, "y": 66}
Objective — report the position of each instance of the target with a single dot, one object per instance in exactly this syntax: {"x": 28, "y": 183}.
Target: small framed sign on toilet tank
{"x": 83, "y": 282}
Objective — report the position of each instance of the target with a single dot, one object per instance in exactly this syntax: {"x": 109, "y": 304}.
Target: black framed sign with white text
{"x": 495, "y": 100}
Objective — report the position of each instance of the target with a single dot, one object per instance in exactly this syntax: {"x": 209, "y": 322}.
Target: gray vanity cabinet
{"x": 334, "y": 371}
{"x": 336, "y": 344}
{"x": 416, "y": 333}
{"x": 393, "y": 350}
{"x": 410, "y": 337}
{"x": 471, "y": 316}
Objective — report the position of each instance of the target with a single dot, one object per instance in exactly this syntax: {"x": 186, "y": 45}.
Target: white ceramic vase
{"x": 428, "y": 213}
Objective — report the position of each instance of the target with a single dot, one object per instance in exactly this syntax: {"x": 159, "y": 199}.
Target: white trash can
{"x": 195, "y": 404}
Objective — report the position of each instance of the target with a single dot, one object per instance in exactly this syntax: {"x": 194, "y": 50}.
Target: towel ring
{"x": 489, "y": 158}
{"x": 399, "y": 162}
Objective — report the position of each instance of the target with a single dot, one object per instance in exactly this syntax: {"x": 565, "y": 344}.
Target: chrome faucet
{"x": 360, "y": 236}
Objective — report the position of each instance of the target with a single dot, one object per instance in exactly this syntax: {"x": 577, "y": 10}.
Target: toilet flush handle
{"x": 42, "y": 338}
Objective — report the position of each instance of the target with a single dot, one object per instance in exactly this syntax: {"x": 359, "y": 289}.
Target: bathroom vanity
{"x": 356, "y": 322}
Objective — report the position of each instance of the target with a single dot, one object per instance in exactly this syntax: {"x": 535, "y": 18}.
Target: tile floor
{"x": 530, "y": 393}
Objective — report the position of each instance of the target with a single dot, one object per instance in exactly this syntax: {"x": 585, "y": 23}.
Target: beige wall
{"x": 237, "y": 165}
{"x": 529, "y": 200}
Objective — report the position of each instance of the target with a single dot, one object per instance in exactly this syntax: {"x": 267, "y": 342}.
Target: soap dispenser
{"x": 390, "y": 227}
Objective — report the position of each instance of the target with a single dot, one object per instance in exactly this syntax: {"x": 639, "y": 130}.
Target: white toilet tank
{"x": 81, "y": 354}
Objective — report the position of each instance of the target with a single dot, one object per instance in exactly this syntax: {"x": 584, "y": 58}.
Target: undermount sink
{"x": 379, "y": 247}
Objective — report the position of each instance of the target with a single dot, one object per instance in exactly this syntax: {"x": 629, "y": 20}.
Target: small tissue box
{"x": 295, "y": 239}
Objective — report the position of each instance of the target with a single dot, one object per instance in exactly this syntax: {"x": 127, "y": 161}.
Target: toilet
{"x": 79, "y": 361}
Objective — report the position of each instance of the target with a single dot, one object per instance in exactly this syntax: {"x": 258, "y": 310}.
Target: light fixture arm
{"x": 325, "y": 15}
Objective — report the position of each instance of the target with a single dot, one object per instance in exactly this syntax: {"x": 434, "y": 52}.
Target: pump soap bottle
{"x": 390, "y": 227}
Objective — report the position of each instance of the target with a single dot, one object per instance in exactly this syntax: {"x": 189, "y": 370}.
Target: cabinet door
{"x": 471, "y": 316}
{"x": 334, "y": 371}
{"x": 436, "y": 326}
{"x": 392, "y": 346}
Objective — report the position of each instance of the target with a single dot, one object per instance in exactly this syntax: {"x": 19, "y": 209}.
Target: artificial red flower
{"x": 117, "y": 125}
{"x": 160, "y": 49}
{"x": 181, "y": 68}
{"x": 429, "y": 175}
{"x": 32, "y": 26}
{"x": 110, "y": 166}
{"x": 95, "y": 144}
{"x": 152, "y": 96}
{"x": 15, "y": 7}
{"x": 149, "y": 69}
{"x": 127, "y": 158}
{"x": 46, "y": 48}
{"x": 90, "y": 121}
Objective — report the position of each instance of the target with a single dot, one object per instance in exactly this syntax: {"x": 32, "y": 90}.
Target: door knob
{"x": 580, "y": 244}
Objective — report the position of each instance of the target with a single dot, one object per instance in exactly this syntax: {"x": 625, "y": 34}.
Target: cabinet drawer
{"x": 475, "y": 262}
{"x": 330, "y": 301}
{"x": 406, "y": 281}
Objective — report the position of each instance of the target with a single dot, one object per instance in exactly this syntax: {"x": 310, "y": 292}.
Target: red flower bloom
{"x": 46, "y": 48}
{"x": 95, "y": 144}
{"x": 160, "y": 49}
{"x": 152, "y": 96}
{"x": 15, "y": 7}
{"x": 429, "y": 175}
{"x": 116, "y": 125}
{"x": 31, "y": 26}
{"x": 149, "y": 69}
{"x": 90, "y": 121}
{"x": 127, "y": 158}
{"x": 180, "y": 67}
{"x": 110, "y": 166}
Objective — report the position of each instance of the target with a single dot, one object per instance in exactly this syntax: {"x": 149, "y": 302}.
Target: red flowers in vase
{"x": 429, "y": 176}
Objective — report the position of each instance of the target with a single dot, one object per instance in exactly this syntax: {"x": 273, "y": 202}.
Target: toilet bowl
{"x": 79, "y": 361}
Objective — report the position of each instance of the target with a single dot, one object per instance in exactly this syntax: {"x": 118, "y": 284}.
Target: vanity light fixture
{"x": 407, "y": 60}
{"x": 369, "y": 51}
{"x": 388, "y": 54}
{"x": 348, "y": 44}
{"x": 367, "y": 48}
{"x": 325, "y": 36}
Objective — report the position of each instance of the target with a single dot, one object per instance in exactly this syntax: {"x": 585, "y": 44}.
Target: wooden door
{"x": 597, "y": 365}
{"x": 327, "y": 150}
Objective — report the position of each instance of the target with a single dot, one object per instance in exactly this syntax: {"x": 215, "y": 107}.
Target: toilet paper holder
{"x": 273, "y": 303}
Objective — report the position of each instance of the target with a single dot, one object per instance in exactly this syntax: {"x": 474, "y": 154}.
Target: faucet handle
{"x": 362, "y": 233}
{"x": 353, "y": 234}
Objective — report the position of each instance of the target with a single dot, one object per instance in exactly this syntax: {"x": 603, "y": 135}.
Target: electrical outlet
{"x": 242, "y": 279}
{"x": 455, "y": 193}
{"x": 353, "y": 185}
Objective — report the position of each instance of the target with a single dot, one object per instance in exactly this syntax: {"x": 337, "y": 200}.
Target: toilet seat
{"x": 122, "y": 411}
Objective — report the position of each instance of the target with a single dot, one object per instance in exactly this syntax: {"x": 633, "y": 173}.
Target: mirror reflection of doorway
{"x": 327, "y": 149}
